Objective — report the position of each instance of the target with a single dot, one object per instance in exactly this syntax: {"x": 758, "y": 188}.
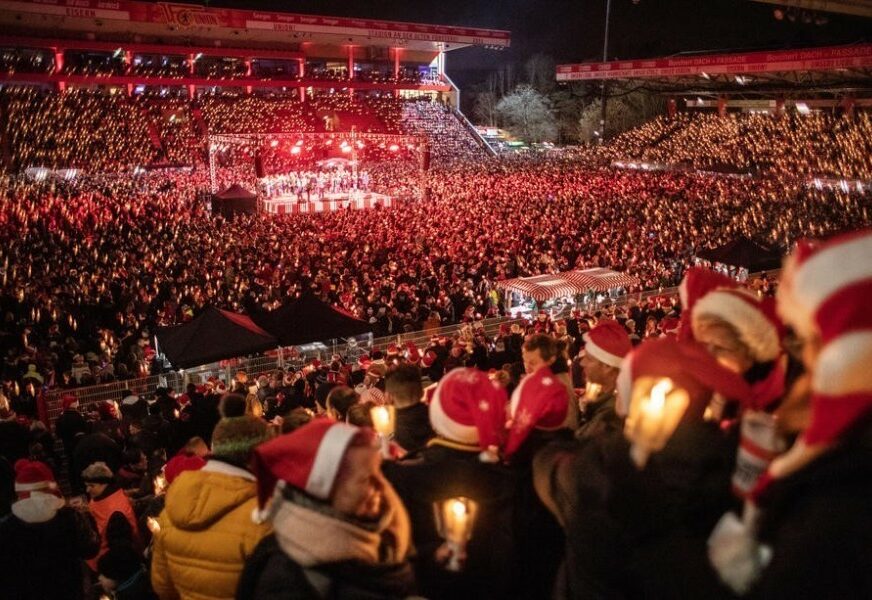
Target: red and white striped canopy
{"x": 599, "y": 279}
{"x": 541, "y": 287}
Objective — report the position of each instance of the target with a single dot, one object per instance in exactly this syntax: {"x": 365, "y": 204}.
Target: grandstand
{"x": 150, "y": 82}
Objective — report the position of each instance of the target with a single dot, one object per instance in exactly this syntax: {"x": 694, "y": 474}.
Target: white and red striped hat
{"x": 33, "y": 476}
{"x": 469, "y": 408}
{"x": 307, "y": 458}
{"x": 608, "y": 342}
{"x": 698, "y": 282}
{"x": 753, "y": 318}
{"x": 540, "y": 401}
{"x": 824, "y": 292}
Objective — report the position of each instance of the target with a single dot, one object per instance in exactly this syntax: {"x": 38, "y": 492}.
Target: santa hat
{"x": 364, "y": 361}
{"x": 540, "y": 401}
{"x": 307, "y": 459}
{"x": 469, "y": 408}
{"x": 393, "y": 349}
{"x": 754, "y": 319}
{"x": 690, "y": 367}
{"x": 69, "y": 401}
{"x": 413, "y": 353}
{"x": 697, "y": 283}
{"x": 428, "y": 359}
{"x": 825, "y": 291}
{"x": 608, "y": 342}
{"x": 33, "y": 476}
{"x": 670, "y": 325}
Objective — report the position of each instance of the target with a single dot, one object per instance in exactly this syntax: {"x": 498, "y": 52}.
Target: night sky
{"x": 572, "y": 30}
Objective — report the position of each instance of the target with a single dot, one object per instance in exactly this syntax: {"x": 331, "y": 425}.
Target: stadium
{"x": 289, "y": 314}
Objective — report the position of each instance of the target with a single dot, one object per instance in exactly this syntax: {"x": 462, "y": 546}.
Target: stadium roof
{"x": 189, "y": 23}
{"x": 846, "y": 67}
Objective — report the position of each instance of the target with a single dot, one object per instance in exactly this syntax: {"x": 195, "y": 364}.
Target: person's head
{"x": 722, "y": 340}
{"x": 403, "y": 385}
{"x": 539, "y": 350}
{"x": 235, "y": 438}
{"x": 359, "y": 414}
{"x": 196, "y": 446}
{"x": 339, "y": 400}
{"x": 335, "y": 463}
{"x": 606, "y": 345}
{"x": 296, "y": 419}
{"x": 97, "y": 477}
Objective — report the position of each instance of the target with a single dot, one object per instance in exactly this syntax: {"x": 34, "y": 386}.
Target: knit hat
{"x": 181, "y": 463}
{"x": 69, "y": 401}
{"x": 754, "y": 319}
{"x": 540, "y": 401}
{"x": 308, "y": 459}
{"x": 469, "y": 408}
{"x": 608, "y": 342}
{"x": 98, "y": 472}
{"x": 120, "y": 563}
{"x": 235, "y": 437}
{"x": 825, "y": 290}
{"x": 690, "y": 367}
{"x": 33, "y": 476}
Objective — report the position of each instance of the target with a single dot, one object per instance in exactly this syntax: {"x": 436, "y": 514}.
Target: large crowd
{"x": 690, "y": 446}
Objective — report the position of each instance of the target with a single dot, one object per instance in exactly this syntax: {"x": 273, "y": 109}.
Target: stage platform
{"x": 281, "y": 205}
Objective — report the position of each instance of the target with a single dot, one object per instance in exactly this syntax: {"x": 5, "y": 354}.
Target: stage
{"x": 288, "y": 204}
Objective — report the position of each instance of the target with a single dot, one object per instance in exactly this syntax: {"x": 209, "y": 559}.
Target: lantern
{"x": 455, "y": 519}
{"x": 656, "y": 408}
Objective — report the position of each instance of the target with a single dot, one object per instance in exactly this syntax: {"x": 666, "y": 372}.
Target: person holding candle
{"x": 340, "y": 530}
{"x": 605, "y": 347}
{"x": 639, "y": 528}
{"x": 467, "y": 412}
{"x": 813, "y": 501}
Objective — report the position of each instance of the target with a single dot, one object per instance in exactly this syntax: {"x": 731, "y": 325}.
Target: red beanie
{"x": 68, "y": 400}
{"x": 181, "y": 463}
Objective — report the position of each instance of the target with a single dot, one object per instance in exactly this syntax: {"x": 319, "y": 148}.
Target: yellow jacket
{"x": 206, "y": 534}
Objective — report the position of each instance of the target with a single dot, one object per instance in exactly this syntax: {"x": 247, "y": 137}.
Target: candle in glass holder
{"x": 455, "y": 519}
{"x": 384, "y": 422}
{"x": 656, "y": 408}
{"x": 592, "y": 391}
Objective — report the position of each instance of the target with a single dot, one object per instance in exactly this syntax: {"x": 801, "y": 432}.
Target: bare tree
{"x": 528, "y": 115}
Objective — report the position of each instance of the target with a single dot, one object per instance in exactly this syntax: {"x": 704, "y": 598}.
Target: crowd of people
{"x": 711, "y": 445}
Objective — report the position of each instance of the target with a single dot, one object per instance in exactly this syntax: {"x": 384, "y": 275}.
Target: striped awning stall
{"x": 599, "y": 280}
{"x": 541, "y": 287}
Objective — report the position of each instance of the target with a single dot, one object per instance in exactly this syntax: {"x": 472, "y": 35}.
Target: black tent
{"x": 307, "y": 320}
{"x": 235, "y": 199}
{"x": 743, "y": 252}
{"x": 213, "y": 335}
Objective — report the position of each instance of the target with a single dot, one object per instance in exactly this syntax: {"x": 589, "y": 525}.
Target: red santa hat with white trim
{"x": 308, "y": 459}
{"x": 698, "y": 282}
{"x": 470, "y": 408}
{"x": 824, "y": 293}
{"x": 34, "y": 476}
{"x": 540, "y": 401}
{"x": 753, "y": 318}
{"x": 608, "y": 342}
{"x": 688, "y": 364}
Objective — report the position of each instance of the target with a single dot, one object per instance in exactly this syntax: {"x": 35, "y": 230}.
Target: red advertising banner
{"x": 811, "y": 59}
{"x": 191, "y": 16}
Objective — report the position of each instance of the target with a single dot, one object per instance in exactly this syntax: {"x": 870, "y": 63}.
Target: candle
{"x": 153, "y": 525}
{"x": 455, "y": 519}
{"x": 592, "y": 391}
{"x": 383, "y": 419}
{"x": 160, "y": 484}
{"x": 655, "y": 410}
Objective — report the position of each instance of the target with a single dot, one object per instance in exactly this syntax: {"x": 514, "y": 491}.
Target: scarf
{"x": 311, "y": 533}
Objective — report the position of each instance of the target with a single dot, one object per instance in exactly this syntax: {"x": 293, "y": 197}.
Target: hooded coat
{"x": 206, "y": 533}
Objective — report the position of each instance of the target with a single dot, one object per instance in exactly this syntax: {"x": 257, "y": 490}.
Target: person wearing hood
{"x": 43, "y": 540}
{"x": 340, "y": 530}
{"x": 206, "y": 532}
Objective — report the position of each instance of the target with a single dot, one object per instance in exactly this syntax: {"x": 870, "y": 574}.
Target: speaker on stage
{"x": 258, "y": 165}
